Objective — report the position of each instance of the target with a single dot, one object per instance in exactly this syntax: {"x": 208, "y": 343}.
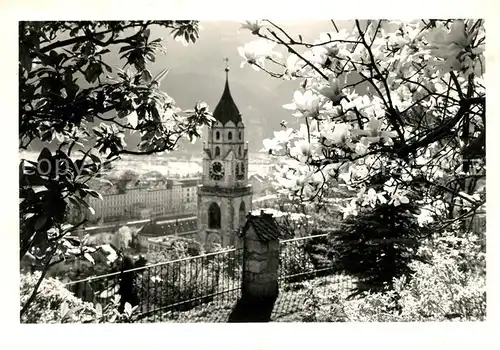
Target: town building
{"x": 143, "y": 199}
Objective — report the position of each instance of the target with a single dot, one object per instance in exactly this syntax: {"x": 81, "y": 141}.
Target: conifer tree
{"x": 377, "y": 245}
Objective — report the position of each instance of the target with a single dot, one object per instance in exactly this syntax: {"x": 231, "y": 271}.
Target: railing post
{"x": 259, "y": 287}
{"x": 260, "y": 267}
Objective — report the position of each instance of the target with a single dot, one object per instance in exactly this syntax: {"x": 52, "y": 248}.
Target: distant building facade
{"x": 143, "y": 200}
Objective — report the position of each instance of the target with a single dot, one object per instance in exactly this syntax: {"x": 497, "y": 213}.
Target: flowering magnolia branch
{"x": 415, "y": 113}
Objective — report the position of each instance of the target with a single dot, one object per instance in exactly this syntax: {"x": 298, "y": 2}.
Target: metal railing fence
{"x": 305, "y": 258}
{"x": 169, "y": 286}
{"x": 183, "y": 284}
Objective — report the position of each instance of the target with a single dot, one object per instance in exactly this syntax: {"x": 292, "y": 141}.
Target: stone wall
{"x": 260, "y": 267}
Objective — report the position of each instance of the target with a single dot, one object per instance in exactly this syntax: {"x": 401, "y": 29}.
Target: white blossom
{"x": 332, "y": 90}
{"x": 306, "y": 104}
{"x": 371, "y": 197}
{"x": 293, "y": 66}
{"x": 350, "y": 209}
{"x": 416, "y": 59}
{"x": 256, "y": 52}
{"x": 334, "y": 133}
{"x": 271, "y": 145}
{"x": 398, "y": 198}
{"x": 361, "y": 149}
{"x": 301, "y": 149}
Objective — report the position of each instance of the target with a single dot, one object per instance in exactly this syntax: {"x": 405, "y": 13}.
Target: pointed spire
{"x": 226, "y": 109}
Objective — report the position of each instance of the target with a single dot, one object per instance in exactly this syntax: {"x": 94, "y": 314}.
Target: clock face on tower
{"x": 217, "y": 171}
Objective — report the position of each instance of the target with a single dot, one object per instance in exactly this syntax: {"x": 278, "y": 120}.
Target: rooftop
{"x": 266, "y": 227}
{"x": 170, "y": 227}
{"x": 189, "y": 182}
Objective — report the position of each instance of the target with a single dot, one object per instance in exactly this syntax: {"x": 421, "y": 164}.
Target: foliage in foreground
{"x": 56, "y": 304}
{"x": 70, "y": 96}
{"x": 451, "y": 287}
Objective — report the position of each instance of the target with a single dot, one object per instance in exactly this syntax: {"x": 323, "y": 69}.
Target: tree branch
{"x": 299, "y": 55}
{"x": 444, "y": 128}
{"x": 111, "y": 41}
{"x": 39, "y": 282}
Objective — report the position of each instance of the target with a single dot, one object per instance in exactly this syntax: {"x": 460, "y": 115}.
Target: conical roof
{"x": 226, "y": 109}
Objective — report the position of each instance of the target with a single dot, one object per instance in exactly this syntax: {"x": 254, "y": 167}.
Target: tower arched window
{"x": 239, "y": 151}
{"x": 217, "y": 135}
{"x": 230, "y": 135}
{"x": 242, "y": 214}
{"x": 239, "y": 135}
{"x": 214, "y": 216}
{"x": 217, "y": 151}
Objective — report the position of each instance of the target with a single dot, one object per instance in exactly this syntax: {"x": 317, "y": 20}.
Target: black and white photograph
{"x": 255, "y": 171}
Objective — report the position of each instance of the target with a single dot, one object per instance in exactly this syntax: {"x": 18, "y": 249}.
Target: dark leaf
{"x": 26, "y": 61}
{"x": 146, "y": 76}
{"x": 74, "y": 202}
{"x": 93, "y": 71}
{"x": 125, "y": 48}
{"x": 97, "y": 132}
{"x": 74, "y": 31}
{"x": 45, "y": 162}
{"x": 94, "y": 158}
{"x": 93, "y": 193}
{"x": 100, "y": 37}
{"x": 108, "y": 68}
{"x": 41, "y": 103}
{"x": 45, "y": 154}
{"x": 160, "y": 76}
{"x": 40, "y": 222}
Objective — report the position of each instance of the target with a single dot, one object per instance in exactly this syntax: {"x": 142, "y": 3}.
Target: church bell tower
{"x": 224, "y": 196}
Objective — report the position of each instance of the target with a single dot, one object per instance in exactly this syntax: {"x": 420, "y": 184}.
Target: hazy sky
{"x": 220, "y": 39}
{"x": 200, "y": 66}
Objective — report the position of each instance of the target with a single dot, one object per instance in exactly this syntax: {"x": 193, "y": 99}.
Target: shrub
{"x": 378, "y": 245}
{"x": 47, "y": 304}
{"x": 175, "y": 248}
{"x": 321, "y": 253}
{"x": 55, "y": 304}
{"x": 295, "y": 261}
{"x": 452, "y": 286}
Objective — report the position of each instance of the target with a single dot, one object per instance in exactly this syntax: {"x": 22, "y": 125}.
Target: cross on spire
{"x": 227, "y": 64}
